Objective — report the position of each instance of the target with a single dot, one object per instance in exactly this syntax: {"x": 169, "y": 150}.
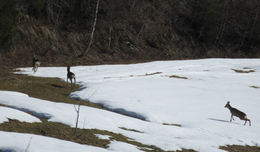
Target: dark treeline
{"x": 128, "y": 30}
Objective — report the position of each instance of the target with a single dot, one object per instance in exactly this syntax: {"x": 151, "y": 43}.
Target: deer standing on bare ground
{"x": 237, "y": 113}
{"x": 36, "y": 64}
{"x": 71, "y": 76}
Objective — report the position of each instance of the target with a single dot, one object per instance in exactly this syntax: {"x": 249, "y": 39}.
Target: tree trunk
{"x": 92, "y": 33}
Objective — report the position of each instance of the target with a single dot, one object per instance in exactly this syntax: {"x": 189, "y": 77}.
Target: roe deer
{"x": 237, "y": 113}
{"x": 36, "y": 64}
{"x": 70, "y": 75}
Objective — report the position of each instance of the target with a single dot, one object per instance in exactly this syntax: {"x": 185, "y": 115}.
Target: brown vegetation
{"x": 256, "y": 87}
{"x": 167, "y": 124}
{"x": 243, "y": 71}
{"x": 239, "y": 148}
{"x": 59, "y": 31}
{"x": 52, "y": 89}
{"x": 178, "y": 77}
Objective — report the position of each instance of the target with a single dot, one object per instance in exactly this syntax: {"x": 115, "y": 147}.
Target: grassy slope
{"x": 239, "y": 148}
{"x": 54, "y": 89}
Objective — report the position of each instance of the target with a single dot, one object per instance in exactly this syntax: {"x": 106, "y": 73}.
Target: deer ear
{"x": 228, "y": 102}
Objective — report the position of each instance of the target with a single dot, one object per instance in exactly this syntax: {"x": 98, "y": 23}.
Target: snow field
{"x": 146, "y": 91}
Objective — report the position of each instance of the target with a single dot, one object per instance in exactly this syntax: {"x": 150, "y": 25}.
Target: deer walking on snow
{"x": 237, "y": 113}
{"x": 71, "y": 76}
{"x": 36, "y": 64}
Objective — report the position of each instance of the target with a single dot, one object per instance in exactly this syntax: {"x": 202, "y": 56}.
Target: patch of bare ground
{"x": 239, "y": 148}
{"x": 52, "y": 89}
{"x": 256, "y": 87}
{"x": 178, "y": 77}
{"x": 167, "y": 124}
{"x": 243, "y": 71}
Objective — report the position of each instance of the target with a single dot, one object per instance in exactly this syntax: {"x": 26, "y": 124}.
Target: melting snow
{"x": 148, "y": 92}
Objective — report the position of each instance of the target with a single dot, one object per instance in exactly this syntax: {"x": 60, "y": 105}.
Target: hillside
{"x": 58, "y": 31}
{"x": 162, "y": 106}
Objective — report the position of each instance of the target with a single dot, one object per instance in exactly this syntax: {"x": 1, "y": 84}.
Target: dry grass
{"x": 256, "y": 87}
{"x": 64, "y": 132}
{"x": 178, "y": 77}
{"x": 239, "y": 148}
{"x": 52, "y": 89}
{"x": 243, "y": 71}
{"x": 56, "y": 130}
{"x": 177, "y": 125}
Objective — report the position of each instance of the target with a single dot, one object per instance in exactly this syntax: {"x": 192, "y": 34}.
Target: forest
{"x": 62, "y": 32}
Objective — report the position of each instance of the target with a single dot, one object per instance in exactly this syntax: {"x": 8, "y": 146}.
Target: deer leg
{"x": 245, "y": 122}
{"x": 249, "y": 122}
{"x": 33, "y": 67}
{"x": 231, "y": 118}
{"x": 74, "y": 80}
{"x": 71, "y": 83}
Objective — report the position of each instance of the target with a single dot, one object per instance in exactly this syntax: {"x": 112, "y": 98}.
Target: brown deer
{"x": 237, "y": 113}
{"x": 36, "y": 64}
{"x": 71, "y": 76}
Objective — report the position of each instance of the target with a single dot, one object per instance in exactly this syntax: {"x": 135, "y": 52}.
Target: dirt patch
{"x": 178, "y": 77}
{"x": 177, "y": 125}
{"x": 243, "y": 71}
{"x": 239, "y": 148}
{"x": 256, "y": 87}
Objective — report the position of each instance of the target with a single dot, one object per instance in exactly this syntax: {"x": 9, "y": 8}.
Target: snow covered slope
{"x": 33, "y": 143}
{"x": 9, "y": 113}
{"x": 191, "y": 93}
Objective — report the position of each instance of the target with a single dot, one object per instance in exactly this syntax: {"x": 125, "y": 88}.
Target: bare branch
{"x": 77, "y": 120}
{"x": 93, "y": 30}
